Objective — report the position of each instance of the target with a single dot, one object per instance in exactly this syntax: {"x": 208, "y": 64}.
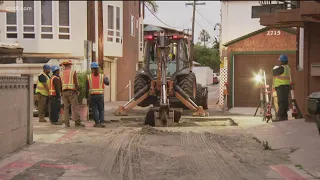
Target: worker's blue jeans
{"x": 97, "y": 105}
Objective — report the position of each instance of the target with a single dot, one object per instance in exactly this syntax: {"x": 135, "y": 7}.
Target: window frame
{"x": 60, "y": 27}
{"x": 25, "y": 26}
{"x": 141, "y": 37}
{"x": 11, "y": 25}
{"x": 110, "y": 31}
{"x": 132, "y": 27}
{"x": 46, "y": 33}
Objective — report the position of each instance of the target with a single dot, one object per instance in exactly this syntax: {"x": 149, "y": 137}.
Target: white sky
{"x": 177, "y": 14}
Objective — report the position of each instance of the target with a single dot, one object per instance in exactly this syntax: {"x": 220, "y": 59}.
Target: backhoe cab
{"x": 166, "y": 81}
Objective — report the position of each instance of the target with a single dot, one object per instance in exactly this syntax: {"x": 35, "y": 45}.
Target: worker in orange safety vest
{"x": 95, "y": 91}
{"x": 55, "y": 96}
{"x": 70, "y": 89}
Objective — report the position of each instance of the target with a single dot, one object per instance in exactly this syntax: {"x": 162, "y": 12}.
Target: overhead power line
{"x": 205, "y": 19}
{"x": 162, "y": 21}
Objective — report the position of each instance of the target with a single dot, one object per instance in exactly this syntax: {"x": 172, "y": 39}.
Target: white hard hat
{"x": 275, "y": 67}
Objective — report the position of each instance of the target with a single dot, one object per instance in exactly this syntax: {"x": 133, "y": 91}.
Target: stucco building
{"x": 54, "y": 30}
{"x": 305, "y": 16}
{"x": 246, "y": 47}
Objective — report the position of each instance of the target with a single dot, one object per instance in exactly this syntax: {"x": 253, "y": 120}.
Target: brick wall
{"x": 14, "y": 109}
{"x": 126, "y": 68}
{"x": 265, "y": 41}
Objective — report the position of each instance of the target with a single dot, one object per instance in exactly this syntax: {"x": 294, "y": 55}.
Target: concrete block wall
{"x": 14, "y": 107}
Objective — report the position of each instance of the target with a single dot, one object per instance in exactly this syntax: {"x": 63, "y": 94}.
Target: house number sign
{"x": 274, "y": 33}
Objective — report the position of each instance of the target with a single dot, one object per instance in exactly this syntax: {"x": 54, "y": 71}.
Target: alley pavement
{"x": 221, "y": 146}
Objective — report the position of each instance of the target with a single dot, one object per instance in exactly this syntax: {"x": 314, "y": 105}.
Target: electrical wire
{"x": 162, "y": 21}
{"x": 205, "y": 18}
{"x": 199, "y": 24}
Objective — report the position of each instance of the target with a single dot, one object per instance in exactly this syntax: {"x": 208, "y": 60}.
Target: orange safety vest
{"x": 67, "y": 80}
{"x": 52, "y": 90}
{"x": 96, "y": 85}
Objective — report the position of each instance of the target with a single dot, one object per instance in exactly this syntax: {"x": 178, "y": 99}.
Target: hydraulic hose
{"x": 141, "y": 92}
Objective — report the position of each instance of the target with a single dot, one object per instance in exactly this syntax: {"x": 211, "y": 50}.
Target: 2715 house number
{"x": 273, "y": 33}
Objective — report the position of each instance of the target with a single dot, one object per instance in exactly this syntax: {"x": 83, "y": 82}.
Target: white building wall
{"x": 113, "y": 48}
{"x": 236, "y": 19}
{"x": 78, "y": 30}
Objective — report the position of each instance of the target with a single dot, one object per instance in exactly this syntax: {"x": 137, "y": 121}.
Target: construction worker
{"x": 95, "y": 90}
{"x": 55, "y": 97}
{"x": 42, "y": 91}
{"x": 70, "y": 89}
{"x": 282, "y": 85}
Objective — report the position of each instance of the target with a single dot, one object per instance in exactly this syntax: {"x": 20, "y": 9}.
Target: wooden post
{"x": 100, "y": 34}
{"x": 30, "y": 110}
{"x": 91, "y": 25}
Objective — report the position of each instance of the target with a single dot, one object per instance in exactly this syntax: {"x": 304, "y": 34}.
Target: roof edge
{"x": 288, "y": 30}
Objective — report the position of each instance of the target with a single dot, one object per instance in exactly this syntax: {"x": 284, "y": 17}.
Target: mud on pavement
{"x": 147, "y": 153}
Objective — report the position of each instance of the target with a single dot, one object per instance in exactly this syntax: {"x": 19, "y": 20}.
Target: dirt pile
{"x": 153, "y": 131}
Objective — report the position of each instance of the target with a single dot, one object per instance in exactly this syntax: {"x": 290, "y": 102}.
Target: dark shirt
{"x": 43, "y": 78}
{"x": 278, "y": 71}
{"x": 105, "y": 81}
{"x": 57, "y": 87}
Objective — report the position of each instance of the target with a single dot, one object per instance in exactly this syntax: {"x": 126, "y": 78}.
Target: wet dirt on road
{"x": 133, "y": 153}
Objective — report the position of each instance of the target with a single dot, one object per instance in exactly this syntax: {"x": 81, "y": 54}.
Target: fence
{"x": 16, "y": 112}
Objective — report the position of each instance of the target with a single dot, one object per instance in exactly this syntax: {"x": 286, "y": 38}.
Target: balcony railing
{"x": 286, "y": 4}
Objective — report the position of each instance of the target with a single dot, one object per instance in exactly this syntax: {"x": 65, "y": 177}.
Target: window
{"x": 64, "y": 20}
{"x": 141, "y": 37}
{"x": 118, "y": 25}
{"x": 11, "y": 27}
{"x": 132, "y": 25}
{"x": 141, "y": 9}
{"x": 28, "y": 20}
{"x": 46, "y": 20}
{"x": 257, "y": 10}
{"x": 110, "y": 23}
{"x": 114, "y": 25}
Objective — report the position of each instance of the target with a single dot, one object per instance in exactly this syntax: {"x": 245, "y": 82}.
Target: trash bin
{"x": 313, "y": 103}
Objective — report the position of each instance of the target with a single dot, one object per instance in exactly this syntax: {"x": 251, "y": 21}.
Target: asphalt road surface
{"x": 195, "y": 149}
{"x": 127, "y": 150}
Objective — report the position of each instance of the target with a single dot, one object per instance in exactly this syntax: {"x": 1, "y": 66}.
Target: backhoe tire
{"x": 188, "y": 84}
{"x": 139, "y": 83}
{"x": 199, "y": 96}
{"x": 204, "y": 102}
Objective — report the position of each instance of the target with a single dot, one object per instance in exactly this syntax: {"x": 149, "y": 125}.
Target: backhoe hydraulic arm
{"x": 139, "y": 97}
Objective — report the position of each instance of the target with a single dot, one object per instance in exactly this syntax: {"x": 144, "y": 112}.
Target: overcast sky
{"x": 177, "y": 14}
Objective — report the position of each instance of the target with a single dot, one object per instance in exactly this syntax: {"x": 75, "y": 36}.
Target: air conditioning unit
{"x": 7, "y": 6}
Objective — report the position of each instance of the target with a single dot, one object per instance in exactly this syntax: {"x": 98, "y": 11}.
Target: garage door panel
{"x": 246, "y": 90}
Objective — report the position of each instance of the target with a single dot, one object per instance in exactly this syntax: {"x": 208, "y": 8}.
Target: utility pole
{"x": 194, "y": 4}
{"x": 100, "y": 34}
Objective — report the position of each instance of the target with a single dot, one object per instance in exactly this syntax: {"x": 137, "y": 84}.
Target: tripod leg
{"x": 257, "y": 108}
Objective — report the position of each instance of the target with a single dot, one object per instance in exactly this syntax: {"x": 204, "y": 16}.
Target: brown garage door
{"x": 246, "y": 91}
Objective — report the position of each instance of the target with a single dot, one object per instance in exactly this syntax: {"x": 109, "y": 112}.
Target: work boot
{"x": 79, "y": 124}
{"x": 97, "y": 125}
{"x": 277, "y": 119}
{"x": 57, "y": 123}
{"x": 42, "y": 120}
{"x": 102, "y": 125}
{"x": 67, "y": 124}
